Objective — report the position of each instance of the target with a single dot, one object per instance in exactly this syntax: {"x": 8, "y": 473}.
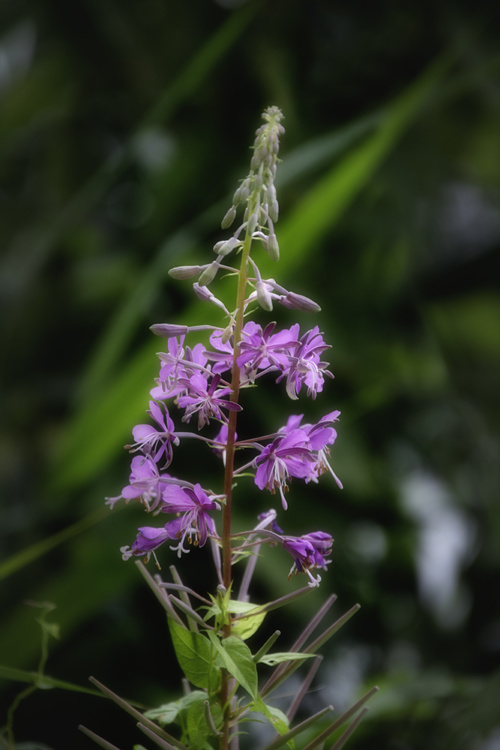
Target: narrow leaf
{"x": 283, "y": 656}
{"x": 238, "y": 660}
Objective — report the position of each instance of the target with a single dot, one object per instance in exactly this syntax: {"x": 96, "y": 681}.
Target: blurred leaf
{"x": 32, "y": 553}
{"x": 42, "y": 682}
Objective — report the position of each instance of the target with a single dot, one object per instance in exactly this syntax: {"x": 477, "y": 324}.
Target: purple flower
{"x": 220, "y": 442}
{"x": 177, "y": 365}
{"x": 321, "y": 435}
{"x": 153, "y": 442}
{"x": 148, "y": 539}
{"x": 309, "y": 551}
{"x": 305, "y": 365}
{"x": 223, "y": 356}
{"x": 192, "y": 505}
{"x": 144, "y": 481}
{"x": 194, "y": 521}
{"x": 206, "y": 400}
{"x": 260, "y": 349}
{"x": 289, "y": 455}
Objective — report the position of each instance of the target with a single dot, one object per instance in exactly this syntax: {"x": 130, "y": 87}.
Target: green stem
{"x": 229, "y": 471}
{"x": 231, "y": 432}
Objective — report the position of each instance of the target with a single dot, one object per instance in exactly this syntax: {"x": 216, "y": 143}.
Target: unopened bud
{"x": 227, "y": 246}
{"x": 202, "y": 292}
{"x": 208, "y": 274}
{"x": 184, "y": 272}
{"x": 273, "y": 247}
{"x": 264, "y": 297}
{"x": 241, "y": 194}
{"x": 274, "y": 210}
{"x": 271, "y": 194}
{"x": 228, "y": 218}
{"x": 299, "y": 302}
{"x": 227, "y": 333}
{"x": 168, "y": 330}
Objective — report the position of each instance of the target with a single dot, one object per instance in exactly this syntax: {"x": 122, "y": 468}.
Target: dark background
{"x": 124, "y": 128}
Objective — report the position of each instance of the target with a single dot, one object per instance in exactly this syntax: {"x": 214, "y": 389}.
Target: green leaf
{"x": 246, "y": 626}
{"x": 195, "y": 656}
{"x": 237, "y": 659}
{"x": 197, "y": 727}
{"x": 277, "y": 718}
{"x": 168, "y": 713}
{"x": 280, "y": 656}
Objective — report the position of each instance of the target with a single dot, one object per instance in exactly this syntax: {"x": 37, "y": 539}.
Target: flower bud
{"x": 299, "y": 302}
{"x": 202, "y": 292}
{"x": 241, "y": 194}
{"x": 228, "y": 218}
{"x": 168, "y": 330}
{"x": 184, "y": 272}
{"x": 273, "y": 247}
{"x": 271, "y": 194}
{"x": 227, "y": 333}
{"x": 264, "y": 297}
{"x": 208, "y": 274}
{"x": 274, "y": 210}
{"x": 227, "y": 246}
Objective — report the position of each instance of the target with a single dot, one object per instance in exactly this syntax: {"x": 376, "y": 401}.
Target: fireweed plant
{"x": 201, "y": 386}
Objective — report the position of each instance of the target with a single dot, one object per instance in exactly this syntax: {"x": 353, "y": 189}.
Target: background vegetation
{"x": 124, "y": 128}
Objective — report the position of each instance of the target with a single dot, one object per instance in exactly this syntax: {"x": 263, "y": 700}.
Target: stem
{"x": 229, "y": 471}
{"x": 231, "y": 432}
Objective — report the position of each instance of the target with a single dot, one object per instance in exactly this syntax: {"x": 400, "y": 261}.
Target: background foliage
{"x": 123, "y": 132}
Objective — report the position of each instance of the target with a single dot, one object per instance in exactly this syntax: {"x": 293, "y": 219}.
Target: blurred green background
{"x": 124, "y": 129}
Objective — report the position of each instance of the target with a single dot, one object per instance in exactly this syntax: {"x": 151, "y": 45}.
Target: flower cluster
{"x": 192, "y": 380}
{"x": 203, "y": 382}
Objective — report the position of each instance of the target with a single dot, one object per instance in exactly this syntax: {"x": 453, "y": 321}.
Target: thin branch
{"x": 162, "y": 595}
{"x": 98, "y": 740}
{"x": 137, "y": 714}
{"x": 306, "y": 683}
